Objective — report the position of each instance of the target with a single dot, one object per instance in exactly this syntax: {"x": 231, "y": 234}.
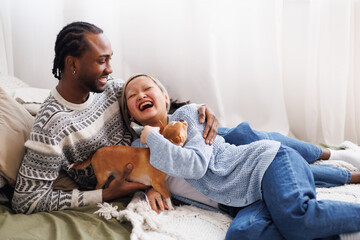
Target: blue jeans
{"x": 324, "y": 175}
{"x": 289, "y": 209}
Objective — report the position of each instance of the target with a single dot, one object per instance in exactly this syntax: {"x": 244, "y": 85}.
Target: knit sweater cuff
{"x": 92, "y": 197}
{"x": 89, "y": 197}
{"x": 153, "y": 140}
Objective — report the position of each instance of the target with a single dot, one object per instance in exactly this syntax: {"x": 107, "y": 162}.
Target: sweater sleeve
{"x": 33, "y": 190}
{"x": 190, "y": 161}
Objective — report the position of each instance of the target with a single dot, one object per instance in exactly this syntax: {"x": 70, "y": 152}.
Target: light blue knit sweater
{"x": 228, "y": 174}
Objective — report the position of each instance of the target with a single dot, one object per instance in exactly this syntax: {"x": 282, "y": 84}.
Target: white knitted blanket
{"x": 189, "y": 222}
{"x": 185, "y": 222}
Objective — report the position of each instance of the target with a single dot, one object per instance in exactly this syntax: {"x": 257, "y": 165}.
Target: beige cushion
{"x": 15, "y": 125}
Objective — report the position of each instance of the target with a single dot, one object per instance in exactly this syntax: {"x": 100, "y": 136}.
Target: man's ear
{"x": 71, "y": 63}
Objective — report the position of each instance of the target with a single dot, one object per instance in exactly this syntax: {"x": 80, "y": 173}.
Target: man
{"x": 81, "y": 115}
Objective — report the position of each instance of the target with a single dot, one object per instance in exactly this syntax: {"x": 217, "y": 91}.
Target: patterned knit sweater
{"x": 228, "y": 174}
{"x": 64, "y": 133}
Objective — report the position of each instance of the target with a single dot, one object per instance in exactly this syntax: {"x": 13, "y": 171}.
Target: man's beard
{"x": 93, "y": 87}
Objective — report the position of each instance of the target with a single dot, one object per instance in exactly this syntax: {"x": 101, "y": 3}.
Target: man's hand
{"x": 211, "y": 128}
{"x": 120, "y": 187}
{"x": 156, "y": 201}
{"x": 146, "y": 131}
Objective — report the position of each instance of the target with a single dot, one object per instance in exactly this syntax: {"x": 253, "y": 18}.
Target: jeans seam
{"x": 254, "y": 217}
{"x": 292, "y": 172}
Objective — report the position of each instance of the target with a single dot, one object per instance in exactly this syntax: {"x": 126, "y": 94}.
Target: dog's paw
{"x": 169, "y": 203}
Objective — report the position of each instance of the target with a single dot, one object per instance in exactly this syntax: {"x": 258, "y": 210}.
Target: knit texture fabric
{"x": 185, "y": 222}
{"x": 228, "y": 174}
{"x": 64, "y": 133}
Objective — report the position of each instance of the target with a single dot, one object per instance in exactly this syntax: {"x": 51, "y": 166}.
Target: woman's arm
{"x": 190, "y": 161}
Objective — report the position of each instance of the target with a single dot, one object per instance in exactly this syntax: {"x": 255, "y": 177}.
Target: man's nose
{"x": 108, "y": 69}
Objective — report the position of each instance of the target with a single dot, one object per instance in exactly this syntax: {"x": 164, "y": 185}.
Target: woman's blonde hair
{"x": 124, "y": 108}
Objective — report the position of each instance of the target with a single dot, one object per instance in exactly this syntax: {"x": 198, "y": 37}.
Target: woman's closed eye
{"x": 147, "y": 88}
{"x": 131, "y": 96}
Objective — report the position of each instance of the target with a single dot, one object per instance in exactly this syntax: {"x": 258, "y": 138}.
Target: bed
{"x": 125, "y": 218}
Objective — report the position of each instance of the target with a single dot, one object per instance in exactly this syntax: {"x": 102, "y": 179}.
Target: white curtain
{"x": 290, "y": 66}
{"x": 6, "y": 57}
{"x": 321, "y": 57}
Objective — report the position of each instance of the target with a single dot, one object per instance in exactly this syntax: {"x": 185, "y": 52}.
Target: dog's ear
{"x": 176, "y": 141}
{"x": 162, "y": 126}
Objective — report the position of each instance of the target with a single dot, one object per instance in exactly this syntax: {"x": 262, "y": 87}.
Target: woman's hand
{"x": 212, "y": 124}
{"x": 156, "y": 200}
{"x": 146, "y": 131}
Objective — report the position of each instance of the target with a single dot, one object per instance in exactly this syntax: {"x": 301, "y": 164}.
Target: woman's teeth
{"x": 145, "y": 105}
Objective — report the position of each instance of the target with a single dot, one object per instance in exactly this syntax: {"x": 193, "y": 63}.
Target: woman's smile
{"x": 146, "y": 102}
{"x": 145, "y": 105}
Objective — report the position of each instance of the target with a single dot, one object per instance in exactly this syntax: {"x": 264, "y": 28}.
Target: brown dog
{"x": 112, "y": 160}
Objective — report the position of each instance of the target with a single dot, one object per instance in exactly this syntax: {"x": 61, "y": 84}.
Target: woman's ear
{"x": 167, "y": 100}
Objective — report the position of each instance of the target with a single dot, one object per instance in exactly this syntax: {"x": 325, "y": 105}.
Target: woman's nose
{"x": 141, "y": 96}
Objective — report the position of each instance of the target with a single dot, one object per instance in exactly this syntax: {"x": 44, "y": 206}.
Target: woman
{"x": 269, "y": 188}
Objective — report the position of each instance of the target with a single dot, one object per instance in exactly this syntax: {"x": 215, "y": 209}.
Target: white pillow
{"x": 9, "y": 83}
{"x": 30, "y": 98}
{"x": 30, "y": 95}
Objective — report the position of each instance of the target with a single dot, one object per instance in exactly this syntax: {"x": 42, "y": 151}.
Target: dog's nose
{"x": 181, "y": 120}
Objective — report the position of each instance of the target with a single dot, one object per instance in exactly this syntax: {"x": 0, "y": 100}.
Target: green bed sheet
{"x": 76, "y": 223}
